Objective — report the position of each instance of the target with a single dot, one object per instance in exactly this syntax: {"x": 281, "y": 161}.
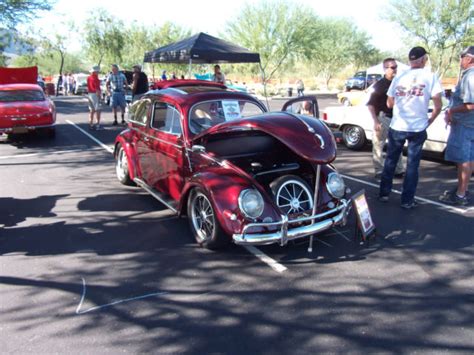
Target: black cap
{"x": 468, "y": 51}
{"x": 416, "y": 53}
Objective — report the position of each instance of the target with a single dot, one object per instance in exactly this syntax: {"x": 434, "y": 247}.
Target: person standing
{"x": 163, "y": 75}
{"x": 218, "y": 76}
{"x": 382, "y": 116}
{"x": 93, "y": 97}
{"x": 460, "y": 115}
{"x": 300, "y": 87}
{"x": 116, "y": 84}
{"x": 409, "y": 95}
{"x": 139, "y": 84}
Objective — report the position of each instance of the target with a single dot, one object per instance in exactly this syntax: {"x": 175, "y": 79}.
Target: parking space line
{"x": 438, "y": 204}
{"x": 79, "y": 306}
{"x": 341, "y": 234}
{"x": 275, "y": 265}
{"x": 106, "y": 147}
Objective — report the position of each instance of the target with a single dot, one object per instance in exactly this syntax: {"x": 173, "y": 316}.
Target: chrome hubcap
{"x": 202, "y": 217}
{"x": 122, "y": 165}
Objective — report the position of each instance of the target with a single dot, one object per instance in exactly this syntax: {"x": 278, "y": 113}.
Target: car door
{"x": 139, "y": 118}
{"x": 303, "y": 105}
{"x": 164, "y": 168}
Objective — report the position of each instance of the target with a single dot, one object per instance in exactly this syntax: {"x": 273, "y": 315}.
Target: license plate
{"x": 20, "y": 130}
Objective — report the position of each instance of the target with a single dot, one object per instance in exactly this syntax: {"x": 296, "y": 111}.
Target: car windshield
{"x": 210, "y": 113}
{"x": 21, "y": 95}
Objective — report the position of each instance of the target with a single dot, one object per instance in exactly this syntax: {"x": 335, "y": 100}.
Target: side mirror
{"x": 198, "y": 148}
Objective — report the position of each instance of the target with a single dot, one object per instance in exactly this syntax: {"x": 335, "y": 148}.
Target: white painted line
{"x": 439, "y": 204}
{"x": 275, "y": 265}
{"x": 342, "y": 235}
{"x": 322, "y": 242}
{"x": 106, "y": 147}
{"x": 78, "y": 309}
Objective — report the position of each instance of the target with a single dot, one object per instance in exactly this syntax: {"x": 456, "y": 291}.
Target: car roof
{"x": 189, "y": 92}
{"x": 7, "y": 87}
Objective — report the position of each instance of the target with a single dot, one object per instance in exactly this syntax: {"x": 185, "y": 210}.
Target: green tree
{"x": 13, "y": 12}
{"x": 105, "y": 37}
{"x": 140, "y": 39}
{"x": 340, "y": 44}
{"x": 441, "y": 26}
{"x": 279, "y": 31}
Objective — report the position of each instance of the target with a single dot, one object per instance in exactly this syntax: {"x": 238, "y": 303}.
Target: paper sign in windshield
{"x": 231, "y": 110}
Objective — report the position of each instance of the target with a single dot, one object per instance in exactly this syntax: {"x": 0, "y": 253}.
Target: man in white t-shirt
{"x": 409, "y": 94}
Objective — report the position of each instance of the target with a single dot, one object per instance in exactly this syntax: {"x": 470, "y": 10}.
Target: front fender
{"x": 125, "y": 140}
{"x": 223, "y": 187}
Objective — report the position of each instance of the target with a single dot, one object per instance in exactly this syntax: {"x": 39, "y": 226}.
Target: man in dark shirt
{"x": 382, "y": 115}
{"x": 139, "y": 84}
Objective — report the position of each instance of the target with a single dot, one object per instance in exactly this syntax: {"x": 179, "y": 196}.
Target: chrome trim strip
{"x": 154, "y": 193}
{"x": 287, "y": 233}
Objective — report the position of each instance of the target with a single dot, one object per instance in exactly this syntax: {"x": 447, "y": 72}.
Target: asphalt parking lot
{"x": 90, "y": 266}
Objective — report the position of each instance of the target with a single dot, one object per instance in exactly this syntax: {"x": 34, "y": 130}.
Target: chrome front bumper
{"x": 287, "y": 233}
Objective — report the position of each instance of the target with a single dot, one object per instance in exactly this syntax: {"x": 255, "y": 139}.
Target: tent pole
{"x": 262, "y": 72}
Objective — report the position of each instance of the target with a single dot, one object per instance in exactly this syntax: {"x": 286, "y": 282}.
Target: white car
{"x": 356, "y": 125}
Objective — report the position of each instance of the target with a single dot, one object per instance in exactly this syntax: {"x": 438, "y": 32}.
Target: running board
{"x": 155, "y": 194}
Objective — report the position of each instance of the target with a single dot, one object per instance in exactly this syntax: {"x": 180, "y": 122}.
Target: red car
{"x": 240, "y": 174}
{"x": 23, "y": 106}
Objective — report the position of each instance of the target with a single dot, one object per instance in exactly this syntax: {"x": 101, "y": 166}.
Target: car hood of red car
{"x": 305, "y": 136}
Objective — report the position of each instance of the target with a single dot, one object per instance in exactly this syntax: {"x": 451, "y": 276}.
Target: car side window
{"x": 166, "y": 118}
{"x": 138, "y": 111}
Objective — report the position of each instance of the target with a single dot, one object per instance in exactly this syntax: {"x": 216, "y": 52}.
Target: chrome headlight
{"x": 335, "y": 185}
{"x": 251, "y": 203}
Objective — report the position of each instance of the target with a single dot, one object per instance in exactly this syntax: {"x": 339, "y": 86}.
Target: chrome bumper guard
{"x": 286, "y": 233}
{"x": 30, "y": 128}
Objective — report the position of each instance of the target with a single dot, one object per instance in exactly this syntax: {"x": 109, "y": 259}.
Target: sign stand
{"x": 365, "y": 227}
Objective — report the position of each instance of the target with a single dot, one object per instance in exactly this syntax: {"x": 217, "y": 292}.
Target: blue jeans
{"x": 396, "y": 140}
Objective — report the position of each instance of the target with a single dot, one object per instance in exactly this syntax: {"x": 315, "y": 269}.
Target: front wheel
{"x": 346, "y": 102}
{"x": 121, "y": 167}
{"x": 203, "y": 221}
{"x": 353, "y": 137}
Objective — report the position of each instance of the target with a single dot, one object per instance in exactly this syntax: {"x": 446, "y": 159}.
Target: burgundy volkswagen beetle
{"x": 240, "y": 174}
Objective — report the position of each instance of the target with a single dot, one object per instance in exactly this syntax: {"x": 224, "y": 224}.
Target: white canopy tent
{"x": 378, "y": 69}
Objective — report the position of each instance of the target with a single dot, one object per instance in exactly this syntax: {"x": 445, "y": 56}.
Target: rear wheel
{"x": 203, "y": 221}
{"x": 121, "y": 167}
{"x": 292, "y": 194}
{"x": 353, "y": 137}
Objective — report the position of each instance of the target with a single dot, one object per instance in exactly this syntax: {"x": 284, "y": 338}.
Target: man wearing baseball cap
{"x": 460, "y": 115}
{"x": 409, "y": 94}
{"x": 93, "y": 96}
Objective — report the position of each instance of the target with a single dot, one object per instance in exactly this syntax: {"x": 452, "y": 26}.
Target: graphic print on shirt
{"x": 414, "y": 90}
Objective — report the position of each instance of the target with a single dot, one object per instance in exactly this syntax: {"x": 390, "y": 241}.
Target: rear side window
{"x": 138, "y": 111}
{"x": 166, "y": 118}
{"x": 21, "y": 95}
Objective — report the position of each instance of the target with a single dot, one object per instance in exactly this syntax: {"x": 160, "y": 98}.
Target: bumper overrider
{"x": 321, "y": 222}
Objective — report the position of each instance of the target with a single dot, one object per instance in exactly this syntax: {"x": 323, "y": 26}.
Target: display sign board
{"x": 364, "y": 218}
{"x": 231, "y": 109}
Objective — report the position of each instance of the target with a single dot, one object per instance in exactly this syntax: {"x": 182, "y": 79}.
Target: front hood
{"x": 305, "y": 136}
{"x": 24, "y": 108}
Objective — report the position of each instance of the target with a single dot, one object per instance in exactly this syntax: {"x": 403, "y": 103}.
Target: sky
{"x": 210, "y": 16}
